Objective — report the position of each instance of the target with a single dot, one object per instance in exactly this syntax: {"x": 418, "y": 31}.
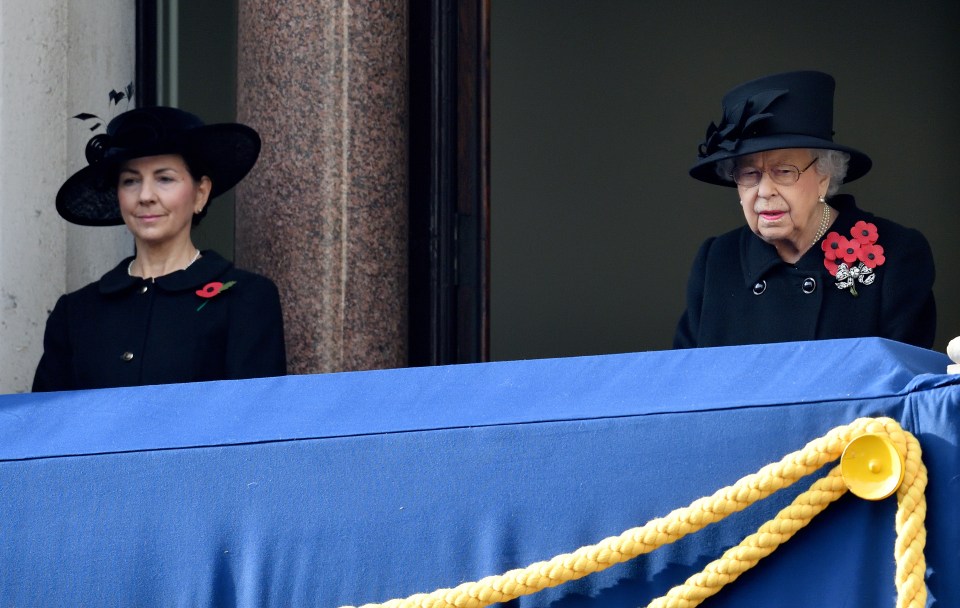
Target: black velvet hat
{"x": 223, "y": 152}
{"x": 790, "y": 110}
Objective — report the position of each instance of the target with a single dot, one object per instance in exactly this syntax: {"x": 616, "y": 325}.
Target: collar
{"x": 758, "y": 257}
{"x": 207, "y": 268}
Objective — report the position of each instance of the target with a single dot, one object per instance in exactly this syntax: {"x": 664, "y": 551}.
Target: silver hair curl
{"x": 829, "y": 162}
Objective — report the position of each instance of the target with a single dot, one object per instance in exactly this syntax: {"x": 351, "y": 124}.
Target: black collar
{"x": 207, "y": 268}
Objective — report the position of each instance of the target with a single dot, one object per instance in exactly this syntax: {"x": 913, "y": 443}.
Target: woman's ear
{"x": 824, "y": 185}
{"x": 203, "y": 194}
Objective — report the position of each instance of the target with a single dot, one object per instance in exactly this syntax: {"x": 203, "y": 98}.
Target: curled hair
{"x": 832, "y": 163}
{"x": 724, "y": 168}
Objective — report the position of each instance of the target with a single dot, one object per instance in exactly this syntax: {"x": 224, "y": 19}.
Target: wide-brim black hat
{"x": 223, "y": 152}
{"x": 789, "y": 110}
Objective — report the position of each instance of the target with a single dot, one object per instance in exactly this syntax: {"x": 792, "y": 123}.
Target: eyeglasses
{"x": 784, "y": 175}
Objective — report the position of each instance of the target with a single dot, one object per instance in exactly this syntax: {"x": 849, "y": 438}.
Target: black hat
{"x": 223, "y": 152}
{"x": 790, "y": 110}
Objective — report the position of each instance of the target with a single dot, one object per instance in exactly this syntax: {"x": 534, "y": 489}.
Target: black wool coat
{"x": 741, "y": 292}
{"x": 128, "y": 331}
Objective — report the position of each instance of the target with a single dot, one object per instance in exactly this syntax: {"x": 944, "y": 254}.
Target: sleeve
{"x": 908, "y": 310}
{"x": 688, "y": 329}
{"x": 256, "y": 347}
{"x": 54, "y": 372}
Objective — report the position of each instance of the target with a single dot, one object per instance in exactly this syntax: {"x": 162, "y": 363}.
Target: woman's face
{"x": 158, "y": 198}
{"x": 786, "y": 216}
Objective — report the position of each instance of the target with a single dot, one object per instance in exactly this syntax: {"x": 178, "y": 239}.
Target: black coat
{"x": 741, "y": 292}
{"x": 127, "y": 331}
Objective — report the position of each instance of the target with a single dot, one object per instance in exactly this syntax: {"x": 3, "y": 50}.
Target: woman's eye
{"x": 127, "y": 181}
{"x": 782, "y": 171}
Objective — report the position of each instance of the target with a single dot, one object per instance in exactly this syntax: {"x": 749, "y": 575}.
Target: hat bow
{"x": 738, "y": 123}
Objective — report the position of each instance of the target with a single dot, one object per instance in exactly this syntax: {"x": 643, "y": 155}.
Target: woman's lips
{"x": 772, "y": 216}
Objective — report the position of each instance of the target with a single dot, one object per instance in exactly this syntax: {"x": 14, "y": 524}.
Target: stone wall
{"x": 57, "y": 58}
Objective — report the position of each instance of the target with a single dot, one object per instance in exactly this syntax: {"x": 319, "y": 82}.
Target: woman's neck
{"x": 153, "y": 262}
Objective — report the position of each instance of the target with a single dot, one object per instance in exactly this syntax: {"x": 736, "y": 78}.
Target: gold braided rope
{"x": 908, "y": 550}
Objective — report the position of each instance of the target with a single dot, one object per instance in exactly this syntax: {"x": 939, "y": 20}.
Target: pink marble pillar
{"x": 324, "y": 212}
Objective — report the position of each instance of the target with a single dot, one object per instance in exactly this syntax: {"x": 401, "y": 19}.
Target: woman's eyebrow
{"x": 154, "y": 171}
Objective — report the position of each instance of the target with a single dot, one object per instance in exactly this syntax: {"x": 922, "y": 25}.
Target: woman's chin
{"x": 774, "y": 236}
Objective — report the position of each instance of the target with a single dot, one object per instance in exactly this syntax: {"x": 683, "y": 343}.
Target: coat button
{"x": 144, "y": 289}
{"x": 127, "y": 356}
{"x": 759, "y": 288}
{"x": 809, "y": 285}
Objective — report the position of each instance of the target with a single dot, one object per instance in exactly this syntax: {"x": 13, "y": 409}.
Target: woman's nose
{"x": 766, "y": 188}
{"x": 147, "y": 192}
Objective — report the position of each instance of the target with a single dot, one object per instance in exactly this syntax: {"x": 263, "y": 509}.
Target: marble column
{"x": 324, "y": 212}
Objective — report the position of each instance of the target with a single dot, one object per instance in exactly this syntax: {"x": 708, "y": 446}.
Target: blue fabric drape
{"x": 349, "y": 488}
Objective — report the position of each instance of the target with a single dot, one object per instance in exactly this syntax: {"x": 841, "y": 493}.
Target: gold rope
{"x": 755, "y": 547}
{"x": 908, "y": 551}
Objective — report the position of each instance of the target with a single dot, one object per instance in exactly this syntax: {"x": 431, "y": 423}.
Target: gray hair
{"x": 833, "y": 163}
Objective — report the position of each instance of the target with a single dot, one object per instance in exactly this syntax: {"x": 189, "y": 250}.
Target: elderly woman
{"x": 809, "y": 264}
{"x": 170, "y": 313}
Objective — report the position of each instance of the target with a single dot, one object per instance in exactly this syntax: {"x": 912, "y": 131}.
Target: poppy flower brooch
{"x": 853, "y": 260}
{"x": 212, "y": 289}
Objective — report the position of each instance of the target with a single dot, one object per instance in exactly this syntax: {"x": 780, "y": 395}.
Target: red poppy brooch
{"x": 211, "y": 289}
{"x": 854, "y": 260}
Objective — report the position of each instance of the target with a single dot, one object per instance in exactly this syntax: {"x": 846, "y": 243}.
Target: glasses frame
{"x": 799, "y": 172}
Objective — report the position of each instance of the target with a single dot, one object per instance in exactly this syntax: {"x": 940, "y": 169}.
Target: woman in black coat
{"x": 809, "y": 264}
{"x": 170, "y": 313}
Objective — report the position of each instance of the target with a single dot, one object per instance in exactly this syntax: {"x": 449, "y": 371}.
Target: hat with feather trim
{"x": 223, "y": 152}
